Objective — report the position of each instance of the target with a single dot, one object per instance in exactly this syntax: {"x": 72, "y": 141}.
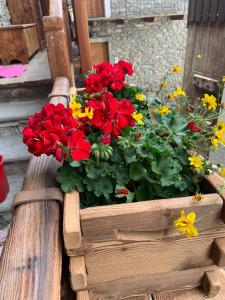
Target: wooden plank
{"x": 71, "y": 221}
{"x": 206, "y": 10}
{"x": 106, "y": 222}
{"x": 83, "y": 295}
{"x": 122, "y": 259}
{"x": 193, "y": 294}
{"x": 80, "y": 10}
{"x": 221, "y": 11}
{"x": 211, "y": 283}
{"x": 78, "y": 275}
{"x": 31, "y": 260}
{"x": 213, "y": 11}
{"x": 150, "y": 284}
{"x": 99, "y": 52}
{"x": 96, "y": 8}
{"x": 199, "y": 10}
{"x": 192, "y": 11}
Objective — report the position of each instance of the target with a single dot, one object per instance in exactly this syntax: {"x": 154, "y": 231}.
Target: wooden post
{"x": 31, "y": 261}
{"x": 81, "y": 23}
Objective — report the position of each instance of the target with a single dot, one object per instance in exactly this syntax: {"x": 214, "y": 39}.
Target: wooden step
{"x": 12, "y": 111}
{"x": 13, "y": 149}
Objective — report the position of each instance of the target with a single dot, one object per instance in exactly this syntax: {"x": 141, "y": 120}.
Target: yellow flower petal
{"x": 140, "y": 97}
{"x": 163, "y": 110}
{"x": 138, "y": 118}
{"x": 176, "y": 69}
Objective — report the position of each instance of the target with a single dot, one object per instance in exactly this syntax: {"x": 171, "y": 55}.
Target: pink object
{"x": 4, "y": 185}
{"x": 12, "y": 71}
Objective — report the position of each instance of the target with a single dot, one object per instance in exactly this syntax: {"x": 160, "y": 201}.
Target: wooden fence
{"x": 31, "y": 261}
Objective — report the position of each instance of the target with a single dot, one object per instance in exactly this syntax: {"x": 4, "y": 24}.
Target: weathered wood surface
{"x": 37, "y": 73}
{"x": 119, "y": 221}
{"x": 150, "y": 284}
{"x": 57, "y": 42}
{"x": 207, "y": 40}
{"x": 193, "y": 294}
{"x": 18, "y": 43}
{"x": 211, "y": 284}
{"x": 71, "y": 221}
{"x": 81, "y": 13}
{"x": 30, "y": 266}
{"x": 78, "y": 273}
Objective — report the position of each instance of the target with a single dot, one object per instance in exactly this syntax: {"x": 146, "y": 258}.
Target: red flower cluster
{"x": 110, "y": 114}
{"x": 108, "y": 76}
{"x": 54, "y": 129}
{"x": 193, "y": 127}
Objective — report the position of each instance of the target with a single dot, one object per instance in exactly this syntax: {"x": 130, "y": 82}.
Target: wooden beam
{"x": 81, "y": 21}
{"x": 218, "y": 252}
{"x": 78, "y": 273}
{"x": 31, "y": 262}
{"x": 211, "y": 283}
{"x": 83, "y": 295}
{"x": 71, "y": 221}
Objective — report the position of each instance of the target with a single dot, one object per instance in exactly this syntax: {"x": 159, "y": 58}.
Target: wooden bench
{"x": 18, "y": 42}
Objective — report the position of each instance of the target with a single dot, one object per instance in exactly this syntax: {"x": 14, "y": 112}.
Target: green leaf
{"x": 75, "y": 164}
{"x": 93, "y": 171}
{"x": 69, "y": 178}
{"x": 142, "y": 192}
{"x": 137, "y": 171}
{"x": 101, "y": 186}
{"x": 130, "y": 156}
{"x": 120, "y": 174}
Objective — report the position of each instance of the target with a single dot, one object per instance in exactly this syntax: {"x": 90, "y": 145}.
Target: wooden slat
{"x": 192, "y": 11}
{"x": 218, "y": 252}
{"x": 150, "y": 284}
{"x": 206, "y": 10}
{"x": 30, "y": 265}
{"x": 83, "y": 295}
{"x": 193, "y": 294}
{"x": 105, "y": 222}
{"x": 71, "y": 221}
{"x": 221, "y": 11}
{"x": 199, "y": 11}
{"x": 213, "y": 11}
{"x": 123, "y": 259}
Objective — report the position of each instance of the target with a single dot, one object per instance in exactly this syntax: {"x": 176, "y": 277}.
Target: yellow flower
{"x": 185, "y": 224}
{"x": 215, "y": 143}
{"x": 221, "y": 125}
{"x": 198, "y": 197}
{"x": 209, "y": 101}
{"x": 138, "y": 118}
{"x": 179, "y": 92}
{"x": 220, "y": 134}
{"x": 73, "y": 94}
{"x": 89, "y": 112}
{"x": 222, "y": 172}
{"x": 76, "y": 108}
{"x": 164, "y": 84}
{"x": 199, "y": 56}
{"x": 163, "y": 110}
{"x": 171, "y": 96}
{"x": 176, "y": 69}
{"x": 223, "y": 79}
{"x": 196, "y": 161}
{"x": 140, "y": 97}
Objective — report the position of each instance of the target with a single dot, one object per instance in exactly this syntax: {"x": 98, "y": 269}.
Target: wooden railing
{"x": 58, "y": 41}
{"x": 31, "y": 262}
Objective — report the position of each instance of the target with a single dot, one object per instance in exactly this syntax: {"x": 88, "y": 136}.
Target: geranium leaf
{"x": 69, "y": 179}
{"x": 137, "y": 171}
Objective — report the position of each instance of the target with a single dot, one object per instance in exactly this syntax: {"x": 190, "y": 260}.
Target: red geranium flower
{"x": 106, "y": 139}
{"x": 193, "y": 127}
{"x": 79, "y": 146}
{"x": 122, "y": 192}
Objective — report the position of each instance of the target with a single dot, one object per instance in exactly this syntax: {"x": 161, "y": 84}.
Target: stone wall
{"x": 152, "y": 47}
{"x": 128, "y": 8}
{"x": 4, "y": 13}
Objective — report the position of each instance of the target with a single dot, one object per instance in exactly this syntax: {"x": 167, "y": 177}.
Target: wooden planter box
{"x": 134, "y": 249}
{"x": 18, "y": 42}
